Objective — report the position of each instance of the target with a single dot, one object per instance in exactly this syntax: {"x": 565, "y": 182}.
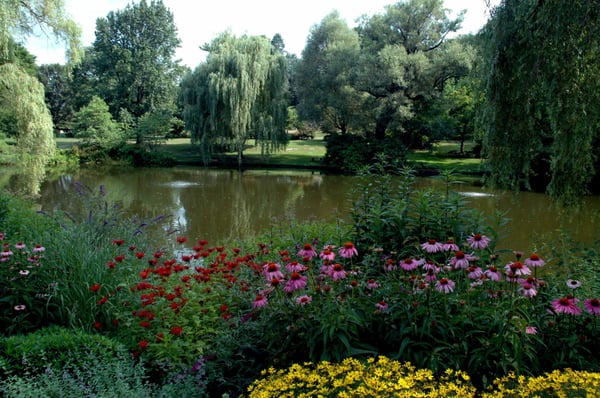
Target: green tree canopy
{"x": 95, "y": 126}
{"x": 406, "y": 58}
{"x": 237, "y": 94}
{"x": 323, "y": 77}
{"x": 57, "y": 81}
{"x": 133, "y": 59}
{"x": 542, "y": 87}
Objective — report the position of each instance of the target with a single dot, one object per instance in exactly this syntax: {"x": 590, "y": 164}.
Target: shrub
{"x": 558, "y": 383}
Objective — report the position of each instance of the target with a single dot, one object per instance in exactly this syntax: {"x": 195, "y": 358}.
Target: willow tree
{"x": 541, "y": 113}
{"x": 22, "y": 93}
{"x": 237, "y": 94}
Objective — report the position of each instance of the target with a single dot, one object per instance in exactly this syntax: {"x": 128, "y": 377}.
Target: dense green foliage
{"x": 238, "y": 94}
{"x": 541, "y": 85}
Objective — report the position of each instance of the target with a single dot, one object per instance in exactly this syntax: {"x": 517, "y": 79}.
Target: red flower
{"x": 97, "y": 325}
{"x": 95, "y": 287}
{"x": 111, "y": 264}
{"x": 118, "y": 242}
{"x": 140, "y": 255}
{"x": 176, "y": 330}
{"x": 103, "y": 300}
{"x": 181, "y": 239}
{"x": 119, "y": 258}
{"x": 143, "y": 344}
{"x": 145, "y": 324}
{"x": 131, "y": 248}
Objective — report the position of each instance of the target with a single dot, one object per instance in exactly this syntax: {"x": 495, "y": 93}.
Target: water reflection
{"x": 220, "y": 204}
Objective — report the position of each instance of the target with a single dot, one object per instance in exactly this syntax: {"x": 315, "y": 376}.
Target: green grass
{"x": 442, "y": 157}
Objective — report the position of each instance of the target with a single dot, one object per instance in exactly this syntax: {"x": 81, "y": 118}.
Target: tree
{"x": 405, "y": 58}
{"x": 323, "y": 77}
{"x": 57, "y": 80}
{"x": 94, "y": 125}
{"x": 542, "y": 95}
{"x": 133, "y": 59}
{"x": 237, "y": 94}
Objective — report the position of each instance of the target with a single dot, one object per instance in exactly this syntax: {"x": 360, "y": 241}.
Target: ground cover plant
{"x": 414, "y": 278}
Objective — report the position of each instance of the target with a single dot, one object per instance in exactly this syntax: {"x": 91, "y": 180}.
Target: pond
{"x": 220, "y": 204}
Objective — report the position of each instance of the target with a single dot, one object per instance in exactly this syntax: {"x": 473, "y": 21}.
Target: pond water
{"x": 220, "y": 204}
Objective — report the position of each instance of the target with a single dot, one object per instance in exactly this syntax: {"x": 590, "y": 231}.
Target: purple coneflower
{"x": 409, "y": 264}
{"x": 327, "y": 253}
{"x": 444, "y": 285}
{"x": 517, "y": 268}
{"x": 592, "y": 306}
{"x": 432, "y": 246}
{"x": 478, "y": 241}
{"x": 534, "y": 261}
{"x": 474, "y": 272}
{"x": 381, "y": 305}
{"x": 20, "y": 245}
{"x": 528, "y": 290}
{"x": 307, "y": 251}
{"x": 337, "y": 272}
{"x": 566, "y": 305}
{"x": 303, "y": 300}
{"x": 450, "y": 246}
{"x": 260, "y": 301}
{"x": 459, "y": 260}
{"x": 272, "y": 271}
{"x": 295, "y": 266}
{"x": 372, "y": 284}
{"x": 348, "y": 250}
{"x": 531, "y": 330}
{"x": 296, "y": 282}
{"x": 573, "y": 284}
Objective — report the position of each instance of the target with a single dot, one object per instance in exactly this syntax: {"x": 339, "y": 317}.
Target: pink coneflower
{"x": 19, "y": 307}
{"x": 478, "y": 241}
{"x": 430, "y": 276}
{"x": 327, "y": 254}
{"x": 408, "y": 264}
{"x": 272, "y": 271}
{"x": 474, "y": 272}
{"x": 534, "y": 261}
{"x": 296, "y": 282}
{"x": 303, "y": 300}
{"x": 348, "y": 250}
{"x": 20, "y": 245}
{"x": 6, "y": 253}
{"x": 432, "y": 246}
{"x": 372, "y": 284}
{"x": 38, "y": 248}
{"x": 295, "y": 266}
{"x": 459, "y": 260}
{"x": 260, "y": 301}
{"x": 573, "y": 284}
{"x": 444, "y": 285}
{"x": 450, "y": 246}
{"x": 527, "y": 290}
{"x": 24, "y": 272}
{"x": 566, "y": 305}
{"x": 390, "y": 265}
{"x": 307, "y": 251}
{"x": 381, "y": 305}
{"x": 2, "y": 235}
{"x": 592, "y": 306}
{"x": 337, "y": 272}
{"x": 517, "y": 268}
{"x": 531, "y": 330}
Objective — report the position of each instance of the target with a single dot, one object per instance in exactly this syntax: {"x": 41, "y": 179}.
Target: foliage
{"x": 152, "y": 128}
{"x": 58, "y": 83}
{"x": 133, "y": 58}
{"x": 324, "y": 76}
{"x": 142, "y": 157}
{"x": 237, "y": 94}
{"x": 353, "y": 378}
{"x": 567, "y": 383}
{"x": 94, "y": 125}
{"x": 540, "y": 76}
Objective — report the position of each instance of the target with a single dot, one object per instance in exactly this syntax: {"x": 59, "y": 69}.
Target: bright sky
{"x": 198, "y": 22}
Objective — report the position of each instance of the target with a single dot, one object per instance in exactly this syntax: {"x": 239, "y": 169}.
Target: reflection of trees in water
{"x": 26, "y": 182}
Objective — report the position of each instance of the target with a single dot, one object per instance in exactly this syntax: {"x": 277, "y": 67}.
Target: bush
{"x": 139, "y": 156}
{"x": 349, "y": 153}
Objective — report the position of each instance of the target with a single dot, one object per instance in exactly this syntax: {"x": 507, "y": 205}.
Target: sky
{"x": 198, "y": 22}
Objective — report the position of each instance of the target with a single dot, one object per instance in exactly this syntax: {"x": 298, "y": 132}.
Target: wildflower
{"x": 450, "y": 246}
{"x": 459, "y": 260}
{"x": 531, "y": 330}
{"x": 176, "y": 330}
{"x": 430, "y": 276}
{"x": 307, "y": 251}
{"x": 409, "y": 264}
{"x": 348, "y": 251}
{"x": 118, "y": 242}
{"x": 143, "y": 344}
{"x": 371, "y": 284}
{"x": 20, "y": 245}
{"x": 337, "y": 272}
{"x": 19, "y": 307}
{"x": 38, "y": 248}
{"x": 390, "y": 265}
{"x": 517, "y": 268}
{"x": 381, "y": 305}
{"x": 592, "y": 306}
{"x": 102, "y": 301}
{"x": 181, "y": 239}
{"x": 432, "y": 246}
{"x": 97, "y": 325}
{"x": 95, "y": 287}
{"x": 474, "y": 272}
{"x": 445, "y": 285}
{"x": 303, "y": 300}
{"x": 573, "y": 284}
{"x": 260, "y": 301}
{"x": 296, "y": 282}
{"x": 6, "y": 252}
{"x": 24, "y": 272}
{"x": 327, "y": 253}
{"x": 272, "y": 271}
{"x": 2, "y": 235}
{"x": 528, "y": 290}
{"x": 295, "y": 266}
{"x": 478, "y": 241}
{"x": 534, "y": 261}
{"x": 565, "y": 305}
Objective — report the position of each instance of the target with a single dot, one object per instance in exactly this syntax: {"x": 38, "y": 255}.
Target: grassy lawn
{"x": 309, "y": 153}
